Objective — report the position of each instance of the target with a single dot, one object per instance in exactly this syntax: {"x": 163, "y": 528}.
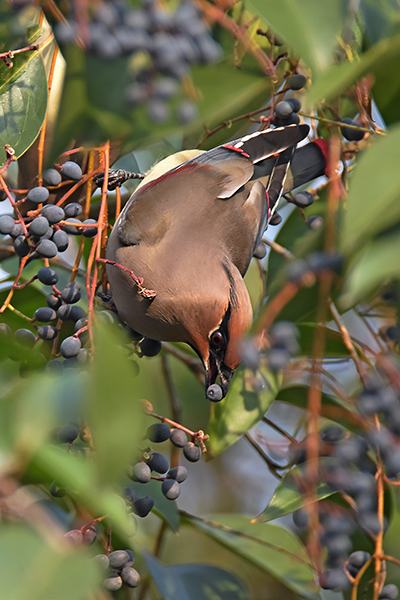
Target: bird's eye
{"x": 217, "y": 339}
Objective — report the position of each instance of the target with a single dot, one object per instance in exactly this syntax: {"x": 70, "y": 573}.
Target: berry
{"x": 44, "y": 314}
{"x": 102, "y": 561}
{"x": 71, "y": 293}
{"x": 187, "y": 111}
{"x": 334, "y": 579}
{"x": 296, "y": 104}
{"x": 359, "y": 558}
{"x": 54, "y": 214}
{"x": 143, "y": 505}
{"x": 73, "y": 209}
{"x": 283, "y": 109}
{"x": 178, "y": 473}
{"x": 136, "y": 337}
{"x": 130, "y": 577}
{"x": 47, "y": 332}
{"x": 5, "y": 330}
{"x": 39, "y": 226}
{"x": 303, "y": 199}
{"x": 171, "y": 489}
{"x": 65, "y": 312}
{"x": 89, "y": 232}
{"x": 300, "y": 518}
{"x": 74, "y": 537}
{"x": 119, "y": 559}
{"x": 77, "y": 313}
{"x": 71, "y": 170}
{"x": 150, "y": 347}
{"x": 47, "y": 249}
{"x": 80, "y": 323}
{"x": 61, "y": 240}
{"x": 297, "y": 82}
{"x": 25, "y": 337}
{"x": 68, "y": 433}
{"x": 178, "y": 438}
{"x": 141, "y": 472}
{"x": 214, "y": 393}
{"x": 389, "y": 592}
{"x": 89, "y": 536}
{"x": 7, "y": 224}
{"x": 393, "y": 333}
{"x": 38, "y": 195}
{"x": 47, "y": 275}
{"x": 325, "y": 261}
{"x": 332, "y": 434}
{"x": 17, "y": 230}
{"x": 260, "y": 251}
{"x": 158, "y": 432}
{"x": 51, "y": 177}
{"x": 112, "y": 583}
{"x": 278, "y": 358}
{"x": 158, "y": 111}
{"x": 192, "y": 452}
{"x": 72, "y": 229}
{"x": 284, "y": 335}
{"x": 21, "y": 246}
{"x": 158, "y": 462}
{"x": 275, "y": 219}
{"x": 352, "y": 135}
{"x": 70, "y": 347}
{"x": 315, "y": 222}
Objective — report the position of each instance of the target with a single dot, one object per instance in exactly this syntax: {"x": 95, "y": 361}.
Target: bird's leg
{"x": 116, "y": 178}
{"x": 144, "y": 292}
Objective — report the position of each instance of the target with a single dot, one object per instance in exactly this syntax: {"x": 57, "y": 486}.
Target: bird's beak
{"x": 215, "y": 368}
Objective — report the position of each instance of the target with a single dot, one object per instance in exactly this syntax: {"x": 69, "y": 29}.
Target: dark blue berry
{"x": 44, "y": 314}
{"x": 158, "y": 432}
{"x": 171, "y": 489}
{"x": 71, "y": 170}
{"x": 7, "y": 224}
{"x": 38, "y": 195}
{"x": 47, "y": 249}
{"x": 47, "y": 275}
{"x": 192, "y": 452}
{"x": 70, "y": 347}
{"x": 51, "y": 177}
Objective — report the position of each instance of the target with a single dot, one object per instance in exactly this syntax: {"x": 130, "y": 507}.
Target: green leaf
{"x": 30, "y": 568}
{"x": 338, "y": 78}
{"x": 79, "y": 477}
{"x": 195, "y": 582}
{"x": 376, "y": 265}
{"x": 373, "y": 200}
{"x": 310, "y": 28}
{"x": 242, "y": 408}
{"x": 23, "y": 102}
{"x": 297, "y": 395}
{"x": 271, "y": 547}
{"x": 170, "y": 587}
{"x": 114, "y": 411}
{"x": 206, "y": 582}
{"x": 289, "y": 495}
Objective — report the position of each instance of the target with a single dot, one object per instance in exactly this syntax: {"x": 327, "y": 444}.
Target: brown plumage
{"x": 190, "y": 234}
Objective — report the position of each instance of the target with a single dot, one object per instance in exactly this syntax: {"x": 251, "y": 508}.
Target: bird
{"x": 179, "y": 250}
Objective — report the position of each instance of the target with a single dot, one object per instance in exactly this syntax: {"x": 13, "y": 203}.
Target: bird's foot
{"x": 116, "y": 178}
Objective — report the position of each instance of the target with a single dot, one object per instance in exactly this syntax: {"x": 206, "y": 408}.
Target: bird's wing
{"x": 185, "y": 197}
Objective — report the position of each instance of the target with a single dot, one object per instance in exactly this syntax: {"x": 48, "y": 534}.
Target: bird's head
{"x": 224, "y": 321}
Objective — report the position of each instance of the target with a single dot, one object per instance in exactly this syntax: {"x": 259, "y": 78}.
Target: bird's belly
{"x": 146, "y": 316}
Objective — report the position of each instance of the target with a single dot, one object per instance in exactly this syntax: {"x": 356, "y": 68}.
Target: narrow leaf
{"x": 272, "y": 548}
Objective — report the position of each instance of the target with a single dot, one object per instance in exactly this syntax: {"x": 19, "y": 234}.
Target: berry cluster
{"x": 155, "y": 462}
{"x": 165, "y": 43}
{"x": 43, "y": 233}
{"x": 120, "y": 571}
